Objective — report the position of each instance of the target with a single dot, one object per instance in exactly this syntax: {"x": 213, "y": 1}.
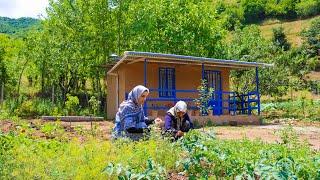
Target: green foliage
{"x": 289, "y": 136}
{"x": 29, "y": 108}
{"x": 72, "y": 104}
{"x": 254, "y": 10}
{"x": 205, "y": 95}
{"x": 311, "y": 38}
{"x": 153, "y": 171}
{"x": 307, "y": 8}
{"x": 3, "y": 69}
{"x": 289, "y": 66}
{"x": 94, "y": 104}
{"x": 208, "y": 157}
{"x": 52, "y": 130}
{"x": 198, "y": 155}
{"x": 171, "y": 27}
{"x": 24, "y": 157}
{"x": 299, "y": 109}
{"x": 14, "y": 26}
{"x": 281, "y": 9}
{"x": 279, "y": 39}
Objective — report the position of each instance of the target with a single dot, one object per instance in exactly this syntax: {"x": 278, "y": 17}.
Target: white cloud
{"x": 23, "y": 8}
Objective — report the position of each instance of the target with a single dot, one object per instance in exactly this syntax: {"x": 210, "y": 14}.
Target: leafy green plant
{"x": 52, "y": 130}
{"x": 71, "y": 104}
{"x": 153, "y": 171}
{"x": 205, "y": 95}
{"x": 94, "y": 104}
{"x": 289, "y": 136}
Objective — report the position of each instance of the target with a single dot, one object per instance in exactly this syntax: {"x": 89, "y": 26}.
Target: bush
{"x": 72, "y": 104}
{"x": 300, "y": 109}
{"x": 279, "y": 38}
{"x": 254, "y": 11}
{"x": 307, "y": 8}
{"x": 311, "y": 38}
{"x": 284, "y": 9}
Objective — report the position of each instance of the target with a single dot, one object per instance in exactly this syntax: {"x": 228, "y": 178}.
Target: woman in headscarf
{"x": 177, "y": 121}
{"x": 130, "y": 120}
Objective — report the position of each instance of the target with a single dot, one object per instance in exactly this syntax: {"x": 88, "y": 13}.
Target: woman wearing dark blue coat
{"x": 177, "y": 121}
{"x": 130, "y": 119}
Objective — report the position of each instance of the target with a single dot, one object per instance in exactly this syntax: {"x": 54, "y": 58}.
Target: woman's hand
{"x": 180, "y": 134}
{"x": 159, "y": 122}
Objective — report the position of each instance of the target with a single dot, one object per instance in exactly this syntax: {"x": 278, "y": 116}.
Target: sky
{"x": 23, "y": 8}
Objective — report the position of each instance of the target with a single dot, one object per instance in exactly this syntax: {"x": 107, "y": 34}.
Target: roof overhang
{"x": 131, "y": 57}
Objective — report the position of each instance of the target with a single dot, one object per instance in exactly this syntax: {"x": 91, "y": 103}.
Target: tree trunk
{"x": 20, "y": 76}
{"x": 2, "y": 93}
{"x": 52, "y": 94}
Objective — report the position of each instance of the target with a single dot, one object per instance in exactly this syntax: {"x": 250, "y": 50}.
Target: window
{"x": 166, "y": 82}
{"x": 213, "y": 79}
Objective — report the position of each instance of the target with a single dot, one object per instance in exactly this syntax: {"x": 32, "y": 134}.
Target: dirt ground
{"x": 308, "y": 132}
{"x": 270, "y": 133}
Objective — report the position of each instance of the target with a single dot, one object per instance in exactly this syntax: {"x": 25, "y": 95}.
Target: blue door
{"x": 214, "y": 81}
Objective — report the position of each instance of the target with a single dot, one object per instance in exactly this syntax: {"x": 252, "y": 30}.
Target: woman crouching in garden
{"x": 177, "y": 121}
{"x": 130, "y": 120}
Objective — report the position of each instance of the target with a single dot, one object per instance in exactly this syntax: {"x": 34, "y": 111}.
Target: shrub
{"x": 308, "y": 8}
{"x": 72, "y": 104}
{"x": 254, "y": 10}
{"x": 205, "y": 95}
{"x": 279, "y": 39}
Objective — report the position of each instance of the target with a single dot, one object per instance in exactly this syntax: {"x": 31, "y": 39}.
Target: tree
{"x": 254, "y": 10}
{"x": 311, "y": 38}
{"x": 248, "y": 45}
{"x": 279, "y": 39}
{"x": 178, "y": 27}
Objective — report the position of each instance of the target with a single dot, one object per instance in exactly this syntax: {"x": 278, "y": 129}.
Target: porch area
{"x": 223, "y": 101}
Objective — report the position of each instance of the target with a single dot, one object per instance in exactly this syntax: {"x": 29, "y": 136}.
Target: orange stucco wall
{"x": 187, "y": 77}
{"x": 111, "y": 96}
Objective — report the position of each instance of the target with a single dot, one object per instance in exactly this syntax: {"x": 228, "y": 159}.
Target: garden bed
{"x": 73, "y": 118}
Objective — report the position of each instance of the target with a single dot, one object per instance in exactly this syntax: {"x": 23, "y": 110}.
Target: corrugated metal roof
{"x": 132, "y": 55}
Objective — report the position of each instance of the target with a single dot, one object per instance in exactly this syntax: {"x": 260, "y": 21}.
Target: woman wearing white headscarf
{"x": 130, "y": 120}
{"x": 177, "y": 121}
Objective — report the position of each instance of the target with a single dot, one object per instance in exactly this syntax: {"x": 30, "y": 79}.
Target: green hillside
{"x": 16, "y": 26}
{"x": 292, "y": 29}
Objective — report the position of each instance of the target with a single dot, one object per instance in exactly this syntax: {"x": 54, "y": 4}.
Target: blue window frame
{"x": 213, "y": 79}
{"x": 167, "y": 82}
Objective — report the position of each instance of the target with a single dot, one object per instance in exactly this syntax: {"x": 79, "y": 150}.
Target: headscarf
{"x": 180, "y": 106}
{"x": 130, "y": 106}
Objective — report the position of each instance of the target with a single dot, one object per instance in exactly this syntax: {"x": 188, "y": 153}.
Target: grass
{"x": 292, "y": 29}
{"x": 27, "y": 158}
{"x": 198, "y": 155}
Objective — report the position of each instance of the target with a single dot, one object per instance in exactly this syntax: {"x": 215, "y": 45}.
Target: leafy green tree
{"x": 248, "y": 45}
{"x": 311, "y": 38}
{"x": 306, "y": 8}
{"x": 284, "y": 9}
{"x": 279, "y": 39}
{"x": 179, "y": 27}
{"x": 76, "y": 39}
{"x": 254, "y": 10}
{"x": 11, "y": 62}
{"x": 72, "y": 104}
{"x": 3, "y": 69}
